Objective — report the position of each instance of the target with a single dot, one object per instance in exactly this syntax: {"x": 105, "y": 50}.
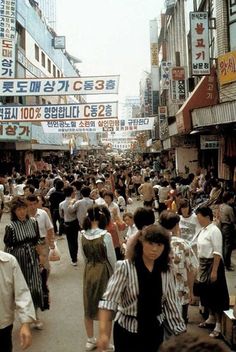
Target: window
{"x": 43, "y": 101}
{"x": 36, "y": 52}
{"x": 49, "y": 66}
{"x": 54, "y": 70}
{"x": 43, "y": 61}
{"x": 21, "y": 35}
{"x": 58, "y": 73}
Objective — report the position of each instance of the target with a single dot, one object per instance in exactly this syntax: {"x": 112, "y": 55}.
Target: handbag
{"x": 54, "y": 254}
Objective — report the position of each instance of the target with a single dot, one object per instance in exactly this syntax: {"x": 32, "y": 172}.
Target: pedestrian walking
{"x": 143, "y": 295}
{"x": 15, "y": 297}
{"x": 21, "y": 238}
{"x": 100, "y": 258}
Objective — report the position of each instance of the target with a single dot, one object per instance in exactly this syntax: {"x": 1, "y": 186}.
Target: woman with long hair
{"x": 142, "y": 293}
{"x": 100, "y": 258}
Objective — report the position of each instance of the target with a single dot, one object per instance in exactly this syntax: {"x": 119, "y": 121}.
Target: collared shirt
{"x": 184, "y": 261}
{"x": 227, "y": 214}
{"x": 112, "y": 206}
{"x": 44, "y": 222}
{"x": 65, "y": 211}
{"x": 209, "y": 242}
{"x": 81, "y": 207}
{"x": 14, "y": 293}
{"x": 121, "y": 296}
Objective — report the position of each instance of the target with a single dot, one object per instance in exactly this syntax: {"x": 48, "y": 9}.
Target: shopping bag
{"x": 54, "y": 254}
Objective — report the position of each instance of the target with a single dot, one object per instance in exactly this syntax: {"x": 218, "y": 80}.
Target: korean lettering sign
{"x": 200, "y": 43}
{"x": 15, "y": 131}
{"x": 227, "y": 68}
{"x": 72, "y": 126}
{"x": 165, "y": 74}
{"x": 7, "y": 38}
{"x": 59, "y": 86}
{"x": 178, "y": 85}
{"x": 163, "y": 121}
{"x": 59, "y": 112}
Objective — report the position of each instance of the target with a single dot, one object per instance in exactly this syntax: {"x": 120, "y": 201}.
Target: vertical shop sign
{"x": 165, "y": 74}
{"x": 199, "y": 26}
{"x": 163, "y": 122}
{"x": 178, "y": 85}
{"x": 7, "y": 38}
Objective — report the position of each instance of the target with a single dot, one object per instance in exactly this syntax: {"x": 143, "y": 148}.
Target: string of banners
{"x": 98, "y": 125}
{"x": 34, "y": 113}
{"x": 59, "y": 86}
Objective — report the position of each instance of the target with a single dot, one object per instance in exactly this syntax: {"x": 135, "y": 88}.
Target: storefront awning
{"x": 204, "y": 94}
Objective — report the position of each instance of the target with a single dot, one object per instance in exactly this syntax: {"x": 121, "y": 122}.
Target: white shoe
{"x": 37, "y": 325}
{"x": 74, "y": 263}
{"x": 91, "y": 344}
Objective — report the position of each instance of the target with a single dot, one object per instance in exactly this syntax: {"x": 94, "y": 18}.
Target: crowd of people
{"x": 142, "y": 269}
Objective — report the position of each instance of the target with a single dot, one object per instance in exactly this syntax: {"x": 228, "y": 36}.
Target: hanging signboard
{"x": 178, "y": 85}
{"x": 76, "y": 126}
{"x": 98, "y": 125}
{"x": 59, "y": 86}
{"x": 199, "y": 27}
{"x": 7, "y": 38}
{"x": 15, "y": 131}
{"x": 165, "y": 74}
{"x": 58, "y": 112}
{"x": 227, "y": 68}
{"x": 163, "y": 122}
{"x": 209, "y": 142}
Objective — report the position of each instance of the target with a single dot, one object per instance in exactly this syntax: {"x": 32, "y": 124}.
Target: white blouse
{"x": 209, "y": 242}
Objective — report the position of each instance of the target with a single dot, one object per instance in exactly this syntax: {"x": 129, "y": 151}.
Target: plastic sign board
{"x": 34, "y": 113}
{"x": 178, "y": 86}
{"x": 15, "y": 131}
{"x": 199, "y": 27}
{"x": 59, "y": 86}
{"x": 227, "y": 68}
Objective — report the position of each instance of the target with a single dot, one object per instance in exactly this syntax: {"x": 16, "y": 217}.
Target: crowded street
{"x": 118, "y": 175}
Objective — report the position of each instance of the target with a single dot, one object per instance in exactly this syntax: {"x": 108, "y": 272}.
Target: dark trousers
{"x": 56, "y": 217}
{"x": 185, "y": 313}
{"x": 71, "y": 230}
{"x": 5, "y": 339}
{"x": 228, "y": 236}
{"x": 126, "y": 341}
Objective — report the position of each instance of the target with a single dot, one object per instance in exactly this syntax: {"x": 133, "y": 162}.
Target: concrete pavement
{"x": 63, "y": 324}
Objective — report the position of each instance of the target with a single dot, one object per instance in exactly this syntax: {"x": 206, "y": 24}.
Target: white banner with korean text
{"x": 178, "y": 86}
{"x": 59, "y": 86}
{"x": 199, "y": 29}
{"x": 64, "y": 112}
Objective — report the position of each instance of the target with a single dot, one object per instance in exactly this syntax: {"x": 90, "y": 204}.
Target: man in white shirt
{"x": 81, "y": 206}
{"x": 46, "y": 230}
{"x": 15, "y": 296}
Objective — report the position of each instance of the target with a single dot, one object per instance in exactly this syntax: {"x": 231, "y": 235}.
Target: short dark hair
{"x": 59, "y": 184}
{"x": 30, "y": 187}
{"x": 227, "y": 196}
{"x": 168, "y": 219}
{"x": 68, "y": 191}
{"x": 17, "y": 202}
{"x": 146, "y": 178}
{"x": 143, "y": 217}
{"x": 184, "y": 203}
{"x": 85, "y": 191}
{"x": 205, "y": 211}
{"x": 154, "y": 234}
{"x": 106, "y": 212}
{"x": 32, "y": 198}
{"x": 95, "y": 214}
{"x": 109, "y": 194}
{"x": 193, "y": 343}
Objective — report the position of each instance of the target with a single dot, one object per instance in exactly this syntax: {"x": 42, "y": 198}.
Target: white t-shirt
{"x": 44, "y": 222}
{"x": 189, "y": 227}
{"x": 209, "y": 242}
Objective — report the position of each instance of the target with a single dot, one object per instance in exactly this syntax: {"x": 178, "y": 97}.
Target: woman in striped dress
{"x": 142, "y": 293}
{"x": 21, "y": 238}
